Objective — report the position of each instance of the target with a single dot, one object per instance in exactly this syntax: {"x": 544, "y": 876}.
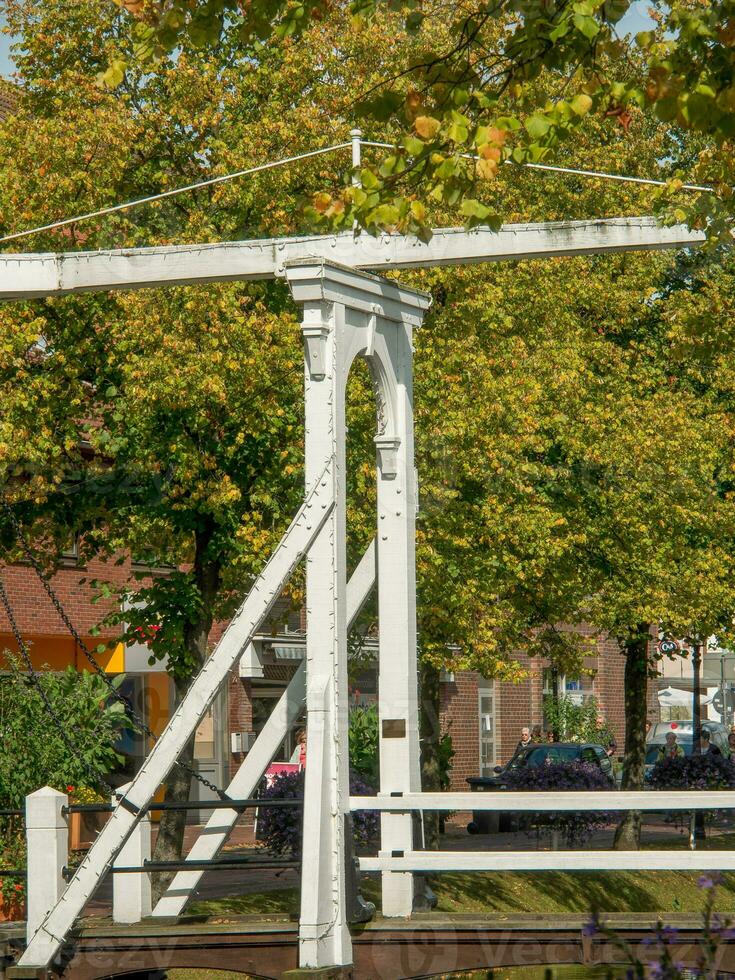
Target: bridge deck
{"x": 427, "y": 944}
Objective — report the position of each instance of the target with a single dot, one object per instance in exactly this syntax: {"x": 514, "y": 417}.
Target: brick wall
{"x": 459, "y": 716}
{"x": 34, "y": 611}
{"x": 521, "y": 704}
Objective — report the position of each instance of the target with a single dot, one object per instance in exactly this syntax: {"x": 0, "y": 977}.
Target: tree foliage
{"x": 573, "y": 417}
{"x": 500, "y": 81}
{"x": 34, "y": 754}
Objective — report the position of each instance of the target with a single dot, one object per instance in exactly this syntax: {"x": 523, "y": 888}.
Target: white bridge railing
{"x": 562, "y": 860}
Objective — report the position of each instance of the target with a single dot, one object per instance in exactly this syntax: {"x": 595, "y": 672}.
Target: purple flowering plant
{"x": 663, "y": 963}
{"x": 694, "y": 772}
{"x": 574, "y": 826}
{"x": 280, "y": 827}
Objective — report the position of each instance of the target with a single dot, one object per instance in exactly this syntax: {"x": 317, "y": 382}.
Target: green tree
{"x": 472, "y": 87}
{"x": 546, "y": 420}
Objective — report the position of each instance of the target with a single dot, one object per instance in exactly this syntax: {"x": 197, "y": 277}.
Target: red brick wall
{"x": 459, "y": 716}
{"x": 521, "y": 704}
{"x": 33, "y": 608}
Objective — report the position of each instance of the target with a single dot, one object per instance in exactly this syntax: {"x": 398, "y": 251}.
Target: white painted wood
{"x": 361, "y": 584}
{"x": 653, "y": 800}
{"x": 553, "y": 861}
{"x": 243, "y": 785}
{"x": 131, "y": 893}
{"x": 47, "y": 839}
{"x": 342, "y": 311}
{"x": 305, "y": 527}
{"x": 324, "y": 938}
{"x": 396, "y": 532}
{"x": 52, "y": 274}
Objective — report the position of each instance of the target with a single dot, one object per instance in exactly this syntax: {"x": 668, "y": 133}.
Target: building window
{"x": 488, "y": 742}
{"x": 579, "y": 689}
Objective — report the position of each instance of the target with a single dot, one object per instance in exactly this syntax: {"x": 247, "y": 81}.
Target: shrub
{"x": 363, "y": 742}
{"x": 575, "y": 722}
{"x": 280, "y": 827}
{"x": 694, "y": 772}
{"x": 32, "y": 751}
{"x": 575, "y": 826}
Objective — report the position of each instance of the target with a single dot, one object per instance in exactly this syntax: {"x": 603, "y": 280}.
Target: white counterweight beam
{"x": 24, "y": 276}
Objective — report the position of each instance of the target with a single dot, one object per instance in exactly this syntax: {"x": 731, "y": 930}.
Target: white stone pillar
{"x": 397, "y": 689}
{"x": 131, "y": 891}
{"x": 47, "y": 837}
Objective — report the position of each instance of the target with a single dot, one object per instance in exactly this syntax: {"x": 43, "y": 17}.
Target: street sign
{"x": 718, "y": 702}
{"x": 668, "y": 647}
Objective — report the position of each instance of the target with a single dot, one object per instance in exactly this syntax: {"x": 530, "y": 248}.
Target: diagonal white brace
{"x": 294, "y": 544}
{"x": 220, "y": 824}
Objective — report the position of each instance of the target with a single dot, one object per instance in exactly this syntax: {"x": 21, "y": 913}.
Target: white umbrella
{"x": 673, "y": 696}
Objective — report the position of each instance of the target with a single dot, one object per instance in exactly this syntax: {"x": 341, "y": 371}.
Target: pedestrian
{"x": 612, "y": 748}
{"x": 648, "y": 727}
{"x": 706, "y": 747}
{"x": 536, "y": 735}
{"x": 301, "y": 742}
{"x": 672, "y": 749}
{"x": 525, "y": 738}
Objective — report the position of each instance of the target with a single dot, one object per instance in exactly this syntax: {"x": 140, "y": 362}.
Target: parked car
{"x": 535, "y": 754}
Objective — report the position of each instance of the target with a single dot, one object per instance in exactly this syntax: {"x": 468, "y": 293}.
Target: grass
{"x": 511, "y": 892}
{"x": 542, "y": 892}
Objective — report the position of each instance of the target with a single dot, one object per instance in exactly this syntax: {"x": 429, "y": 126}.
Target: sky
{"x": 635, "y": 20}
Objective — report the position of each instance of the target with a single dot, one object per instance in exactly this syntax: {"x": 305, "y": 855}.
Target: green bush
{"x": 575, "y": 722}
{"x": 32, "y": 750}
{"x": 363, "y": 732}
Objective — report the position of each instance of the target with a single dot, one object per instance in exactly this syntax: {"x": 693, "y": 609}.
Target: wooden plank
{"x": 35, "y": 275}
{"x": 552, "y": 861}
{"x": 652, "y": 800}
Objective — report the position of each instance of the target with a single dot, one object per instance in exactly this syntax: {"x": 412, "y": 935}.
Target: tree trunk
{"x": 628, "y": 833}
{"x": 430, "y": 734}
{"x": 555, "y": 702}
{"x": 170, "y": 840}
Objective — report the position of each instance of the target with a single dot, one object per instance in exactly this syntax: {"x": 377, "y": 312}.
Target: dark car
{"x": 535, "y": 754}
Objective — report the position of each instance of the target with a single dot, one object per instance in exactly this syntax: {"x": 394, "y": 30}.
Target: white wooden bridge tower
{"x": 346, "y": 313}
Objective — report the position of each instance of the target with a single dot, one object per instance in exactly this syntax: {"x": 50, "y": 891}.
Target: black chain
{"x": 97, "y": 778}
{"x": 140, "y": 724}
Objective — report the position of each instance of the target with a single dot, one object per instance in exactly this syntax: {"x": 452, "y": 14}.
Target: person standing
{"x": 524, "y": 740}
{"x": 672, "y": 749}
{"x": 706, "y": 746}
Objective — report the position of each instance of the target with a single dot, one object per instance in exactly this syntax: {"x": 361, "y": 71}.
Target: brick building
{"x": 483, "y": 716}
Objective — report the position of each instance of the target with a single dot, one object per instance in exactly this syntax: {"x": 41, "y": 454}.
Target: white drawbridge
{"x": 346, "y": 314}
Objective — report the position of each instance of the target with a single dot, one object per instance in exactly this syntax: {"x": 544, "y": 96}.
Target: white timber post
{"x": 356, "y": 137}
{"x": 47, "y": 838}
{"x": 346, "y": 313}
{"x": 398, "y": 708}
{"x": 323, "y": 930}
{"x": 131, "y": 891}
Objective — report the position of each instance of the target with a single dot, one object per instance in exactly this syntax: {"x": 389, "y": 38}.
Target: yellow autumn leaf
{"x": 426, "y": 126}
